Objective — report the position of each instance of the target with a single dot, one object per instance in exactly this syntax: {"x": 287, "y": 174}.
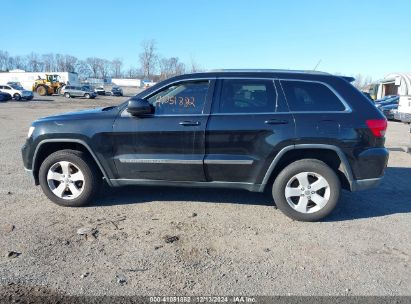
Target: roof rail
{"x": 269, "y": 71}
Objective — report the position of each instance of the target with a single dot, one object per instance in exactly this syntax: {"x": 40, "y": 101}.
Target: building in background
{"x": 395, "y": 84}
{"x": 27, "y": 79}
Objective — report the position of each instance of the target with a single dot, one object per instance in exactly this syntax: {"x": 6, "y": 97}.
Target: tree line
{"x": 152, "y": 65}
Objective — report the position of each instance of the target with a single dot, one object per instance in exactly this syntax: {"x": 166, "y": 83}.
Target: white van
{"x": 404, "y": 109}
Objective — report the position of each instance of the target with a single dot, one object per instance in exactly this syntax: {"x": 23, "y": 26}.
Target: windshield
{"x": 17, "y": 87}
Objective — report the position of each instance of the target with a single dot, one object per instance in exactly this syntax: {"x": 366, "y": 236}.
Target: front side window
{"x": 247, "y": 96}
{"x": 310, "y": 96}
{"x": 182, "y": 98}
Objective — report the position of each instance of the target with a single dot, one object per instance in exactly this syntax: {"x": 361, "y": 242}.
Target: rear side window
{"x": 310, "y": 96}
{"x": 247, "y": 96}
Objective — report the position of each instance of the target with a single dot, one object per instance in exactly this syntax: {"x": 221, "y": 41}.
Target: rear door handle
{"x": 189, "y": 123}
{"x": 276, "y": 122}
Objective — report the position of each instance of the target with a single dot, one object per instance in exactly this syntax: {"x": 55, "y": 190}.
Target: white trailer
{"x": 398, "y": 84}
{"x": 404, "y": 109}
{"x": 126, "y": 82}
{"x": 27, "y": 79}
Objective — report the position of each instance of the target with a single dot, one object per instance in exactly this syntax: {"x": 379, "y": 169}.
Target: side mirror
{"x": 139, "y": 106}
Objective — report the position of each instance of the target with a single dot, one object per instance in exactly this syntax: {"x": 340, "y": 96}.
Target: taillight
{"x": 377, "y": 126}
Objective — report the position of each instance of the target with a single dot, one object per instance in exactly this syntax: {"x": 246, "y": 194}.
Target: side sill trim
{"x": 146, "y": 182}
{"x": 79, "y": 141}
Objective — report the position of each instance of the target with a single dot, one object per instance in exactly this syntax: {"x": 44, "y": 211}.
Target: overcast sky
{"x": 371, "y": 37}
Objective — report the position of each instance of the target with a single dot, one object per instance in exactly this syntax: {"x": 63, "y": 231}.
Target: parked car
{"x": 116, "y": 91}
{"x": 303, "y": 136}
{"x": 78, "y": 91}
{"x": 385, "y": 98}
{"x": 100, "y": 91}
{"x": 389, "y": 111}
{"x": 388, "y": 101}
{"x": 4, "y": 97}
{"x": 17, "y": 92}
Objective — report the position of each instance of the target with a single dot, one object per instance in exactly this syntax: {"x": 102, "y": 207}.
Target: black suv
{"x": 300, "y": 135}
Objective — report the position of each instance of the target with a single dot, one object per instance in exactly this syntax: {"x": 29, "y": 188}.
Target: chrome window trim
{"x": 178, "y": 81}
{"x": 342, "y": 100}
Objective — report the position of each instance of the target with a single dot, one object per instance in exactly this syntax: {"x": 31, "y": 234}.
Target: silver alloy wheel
{"x": 65, "y": 180}
{"x": 307, "y": 192}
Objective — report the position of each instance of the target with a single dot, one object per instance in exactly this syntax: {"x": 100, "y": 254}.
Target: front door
{"x": 250, "y": 123}
{"x": 170, "y": 144}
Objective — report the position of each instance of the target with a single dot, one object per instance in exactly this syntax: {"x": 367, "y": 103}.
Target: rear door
{"x": 249, "y": 124}
{"x": 319, "y": 111}
{"x": 170, "y": 144}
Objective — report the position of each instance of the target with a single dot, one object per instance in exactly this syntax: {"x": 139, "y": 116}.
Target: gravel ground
{"x": 167, "y": 241}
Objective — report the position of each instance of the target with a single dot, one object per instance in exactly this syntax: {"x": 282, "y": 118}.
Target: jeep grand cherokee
{"x": 300, "y": 135}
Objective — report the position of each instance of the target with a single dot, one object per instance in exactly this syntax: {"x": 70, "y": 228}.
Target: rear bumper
{"x": 364, "y": 184}
{"x": 369, "y": 163}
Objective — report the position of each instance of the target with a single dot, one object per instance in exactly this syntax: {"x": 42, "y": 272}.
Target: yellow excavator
{"x": 48, "y": 86}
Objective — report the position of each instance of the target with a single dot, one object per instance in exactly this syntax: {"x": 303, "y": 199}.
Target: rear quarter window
{"x": 310, "y": 96}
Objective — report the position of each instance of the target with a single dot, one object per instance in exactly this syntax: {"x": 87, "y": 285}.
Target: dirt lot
{"x": 166, "y": 241}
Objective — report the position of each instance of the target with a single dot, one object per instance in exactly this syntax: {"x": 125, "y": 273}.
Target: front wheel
{"x": 87, "y": 96}
{"x": 307, "y": 190}
{"x": 17, "y": 97}
{"x": 67, "y": 95}
{"x": 69, "y": 178}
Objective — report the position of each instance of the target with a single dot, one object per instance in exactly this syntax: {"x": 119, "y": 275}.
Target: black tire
{"x": 67, "y": 95}
{"x": 17, "y": 97}
{"x": 87, "y": 166}
{"x": 87, "y": 96}
{"x": 306, "y": 165}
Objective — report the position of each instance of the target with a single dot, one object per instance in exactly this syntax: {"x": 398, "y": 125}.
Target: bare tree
{"x": 83, "y": 69}
{"x": 94, "y": 65}
{"x": 194, "y": 66}
{"x": 148, "y": 58}
{"x": 170, "y": 67}
{"x": 104, "y": 67}
{"x": 361, "y": 81}
{"x": 70, "y": 63}
{"x": 34, "y": 63}
{"x": 4, "y": 60}
{"x": 17, "y": 62}
{"x": 49, "y": 62}
{"x": 117, "y": 64}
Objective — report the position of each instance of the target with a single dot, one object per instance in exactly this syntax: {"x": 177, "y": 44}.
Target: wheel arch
{"x": 331, "y": 155}
{"x": 48, "y": 146}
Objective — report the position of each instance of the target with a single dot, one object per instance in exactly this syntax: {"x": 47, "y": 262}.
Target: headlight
{"x": 31, "y": 130}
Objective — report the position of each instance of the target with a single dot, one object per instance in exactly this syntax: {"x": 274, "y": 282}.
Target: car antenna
{"x": 316, "y": 66}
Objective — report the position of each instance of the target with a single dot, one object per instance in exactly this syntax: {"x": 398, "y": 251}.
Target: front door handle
{"x": 276, "y": 122}
{"x": 189, "y": 123}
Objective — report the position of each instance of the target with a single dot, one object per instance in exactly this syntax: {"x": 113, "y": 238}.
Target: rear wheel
{"x": 17, "y": 97}
{"x": 69, "y": 178}
{"x": 307, "y": 190}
